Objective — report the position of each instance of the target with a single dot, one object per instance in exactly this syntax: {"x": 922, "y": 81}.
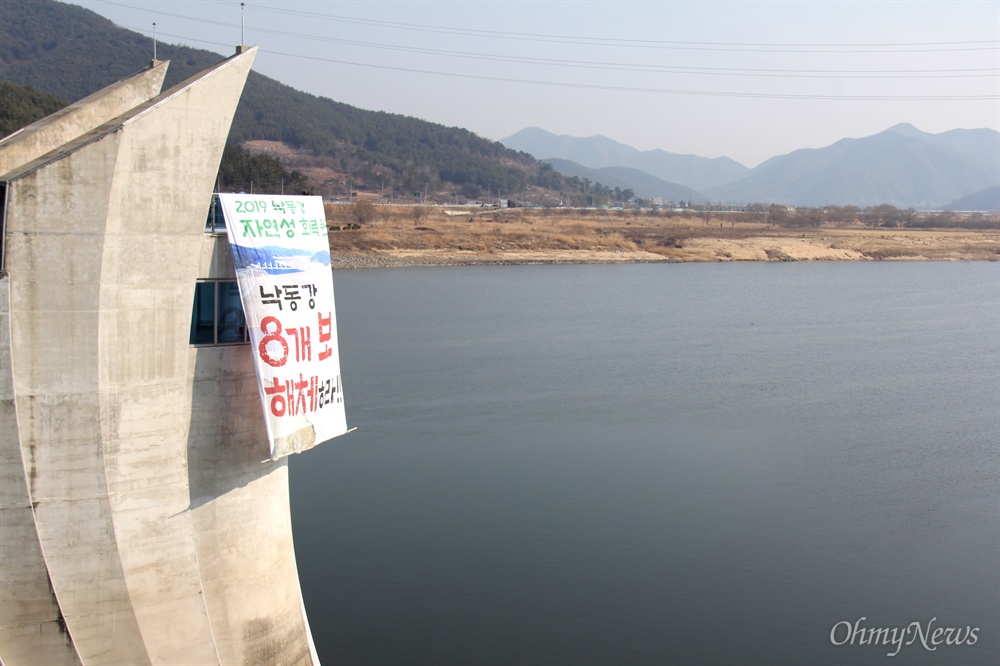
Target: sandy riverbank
{"x": 520, "y": 237}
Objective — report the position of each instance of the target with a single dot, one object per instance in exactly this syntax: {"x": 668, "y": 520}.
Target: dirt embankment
{"x": 426, "y": 236}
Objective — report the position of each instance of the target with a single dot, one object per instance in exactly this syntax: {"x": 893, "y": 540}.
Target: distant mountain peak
{"x": 902, "y": 166}
{"x": 598, "y": 152}
{"x": 905, "y": 129}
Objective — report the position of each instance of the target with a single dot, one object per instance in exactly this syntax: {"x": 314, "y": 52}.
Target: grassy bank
{"x": 369, "y": 235}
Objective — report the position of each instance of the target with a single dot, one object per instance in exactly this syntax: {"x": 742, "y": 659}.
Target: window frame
{"x": 216, "y": 315}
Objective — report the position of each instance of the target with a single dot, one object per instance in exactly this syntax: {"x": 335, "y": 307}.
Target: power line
{"x": 983, "y": 72}
{"x": 860, "y": 48}
{"x": 632, "y": 89}
{"x": 648, "y": 43}
{"x": 598, "y": 65}
{"x": 704, "y": 93}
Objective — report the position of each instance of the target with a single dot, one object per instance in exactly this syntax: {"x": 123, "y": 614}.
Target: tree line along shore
{"x": 363, "y": 234}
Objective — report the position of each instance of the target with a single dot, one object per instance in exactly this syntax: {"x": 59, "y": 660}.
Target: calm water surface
{"x": 650, "y": 464}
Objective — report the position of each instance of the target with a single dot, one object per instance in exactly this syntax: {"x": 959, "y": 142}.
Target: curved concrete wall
{"x": 51, "y": 132}
{"x": 163, "y": 536}
{"x": 31, "y": 627}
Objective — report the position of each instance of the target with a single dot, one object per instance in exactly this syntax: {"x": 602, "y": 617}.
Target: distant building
{"x": 138, "y": 523}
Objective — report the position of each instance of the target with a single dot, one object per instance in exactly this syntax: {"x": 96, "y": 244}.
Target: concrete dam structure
{"x": 138, "y": 523}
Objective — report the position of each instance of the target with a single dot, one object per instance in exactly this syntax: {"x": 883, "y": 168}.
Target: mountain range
{"x": 598, "y": 152}
{"x": 70, "y": 52}
{"x": 643, "y": 184}
{"x": 901, "y": 166}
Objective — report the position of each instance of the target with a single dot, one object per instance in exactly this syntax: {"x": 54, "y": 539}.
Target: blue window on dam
{"x": 217, "y": 317}
{"x": 215, "y": 224}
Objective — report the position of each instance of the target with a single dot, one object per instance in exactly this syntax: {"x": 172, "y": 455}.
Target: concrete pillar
{"x": 50, "y": 133}
{"x": 163, "y": 529}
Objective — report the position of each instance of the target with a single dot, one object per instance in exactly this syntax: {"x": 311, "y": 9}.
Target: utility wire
{"x": 593, "y": 65}
{"x": 983, "y": 72}
{"x": 594, "y": 86}
{"x": 902, "y": 47}
{"x": 647, "y": 43}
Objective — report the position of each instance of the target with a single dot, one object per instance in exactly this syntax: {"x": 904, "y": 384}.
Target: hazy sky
{"x": 748, "y": 80}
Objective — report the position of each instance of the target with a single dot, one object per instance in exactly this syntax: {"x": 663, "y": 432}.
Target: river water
{"x": 665, "y": 463}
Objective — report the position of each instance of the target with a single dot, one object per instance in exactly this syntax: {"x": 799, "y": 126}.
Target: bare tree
{"x": 777, "y": 215}
{"x": 418, "y": 213}
{"x": 363, "y": 211}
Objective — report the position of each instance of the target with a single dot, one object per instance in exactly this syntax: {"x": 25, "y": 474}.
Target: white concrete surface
{"x": 132, "y": 474}
{"x": 50, "y": 133}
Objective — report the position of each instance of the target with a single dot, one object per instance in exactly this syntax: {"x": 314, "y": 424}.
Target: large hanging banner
{"x": 282, "y": 256}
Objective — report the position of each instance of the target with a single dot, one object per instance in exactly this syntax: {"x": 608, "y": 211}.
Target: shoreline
{"x": 700, "y": 251}
{"x": 382, "y": 261}
{"x": 519, "y": 238}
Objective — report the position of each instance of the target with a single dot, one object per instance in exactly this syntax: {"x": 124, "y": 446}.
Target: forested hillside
{"x": 70, "y": 52}
{"x": 20, "y": 106}
{"x": 240, "y": 170}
